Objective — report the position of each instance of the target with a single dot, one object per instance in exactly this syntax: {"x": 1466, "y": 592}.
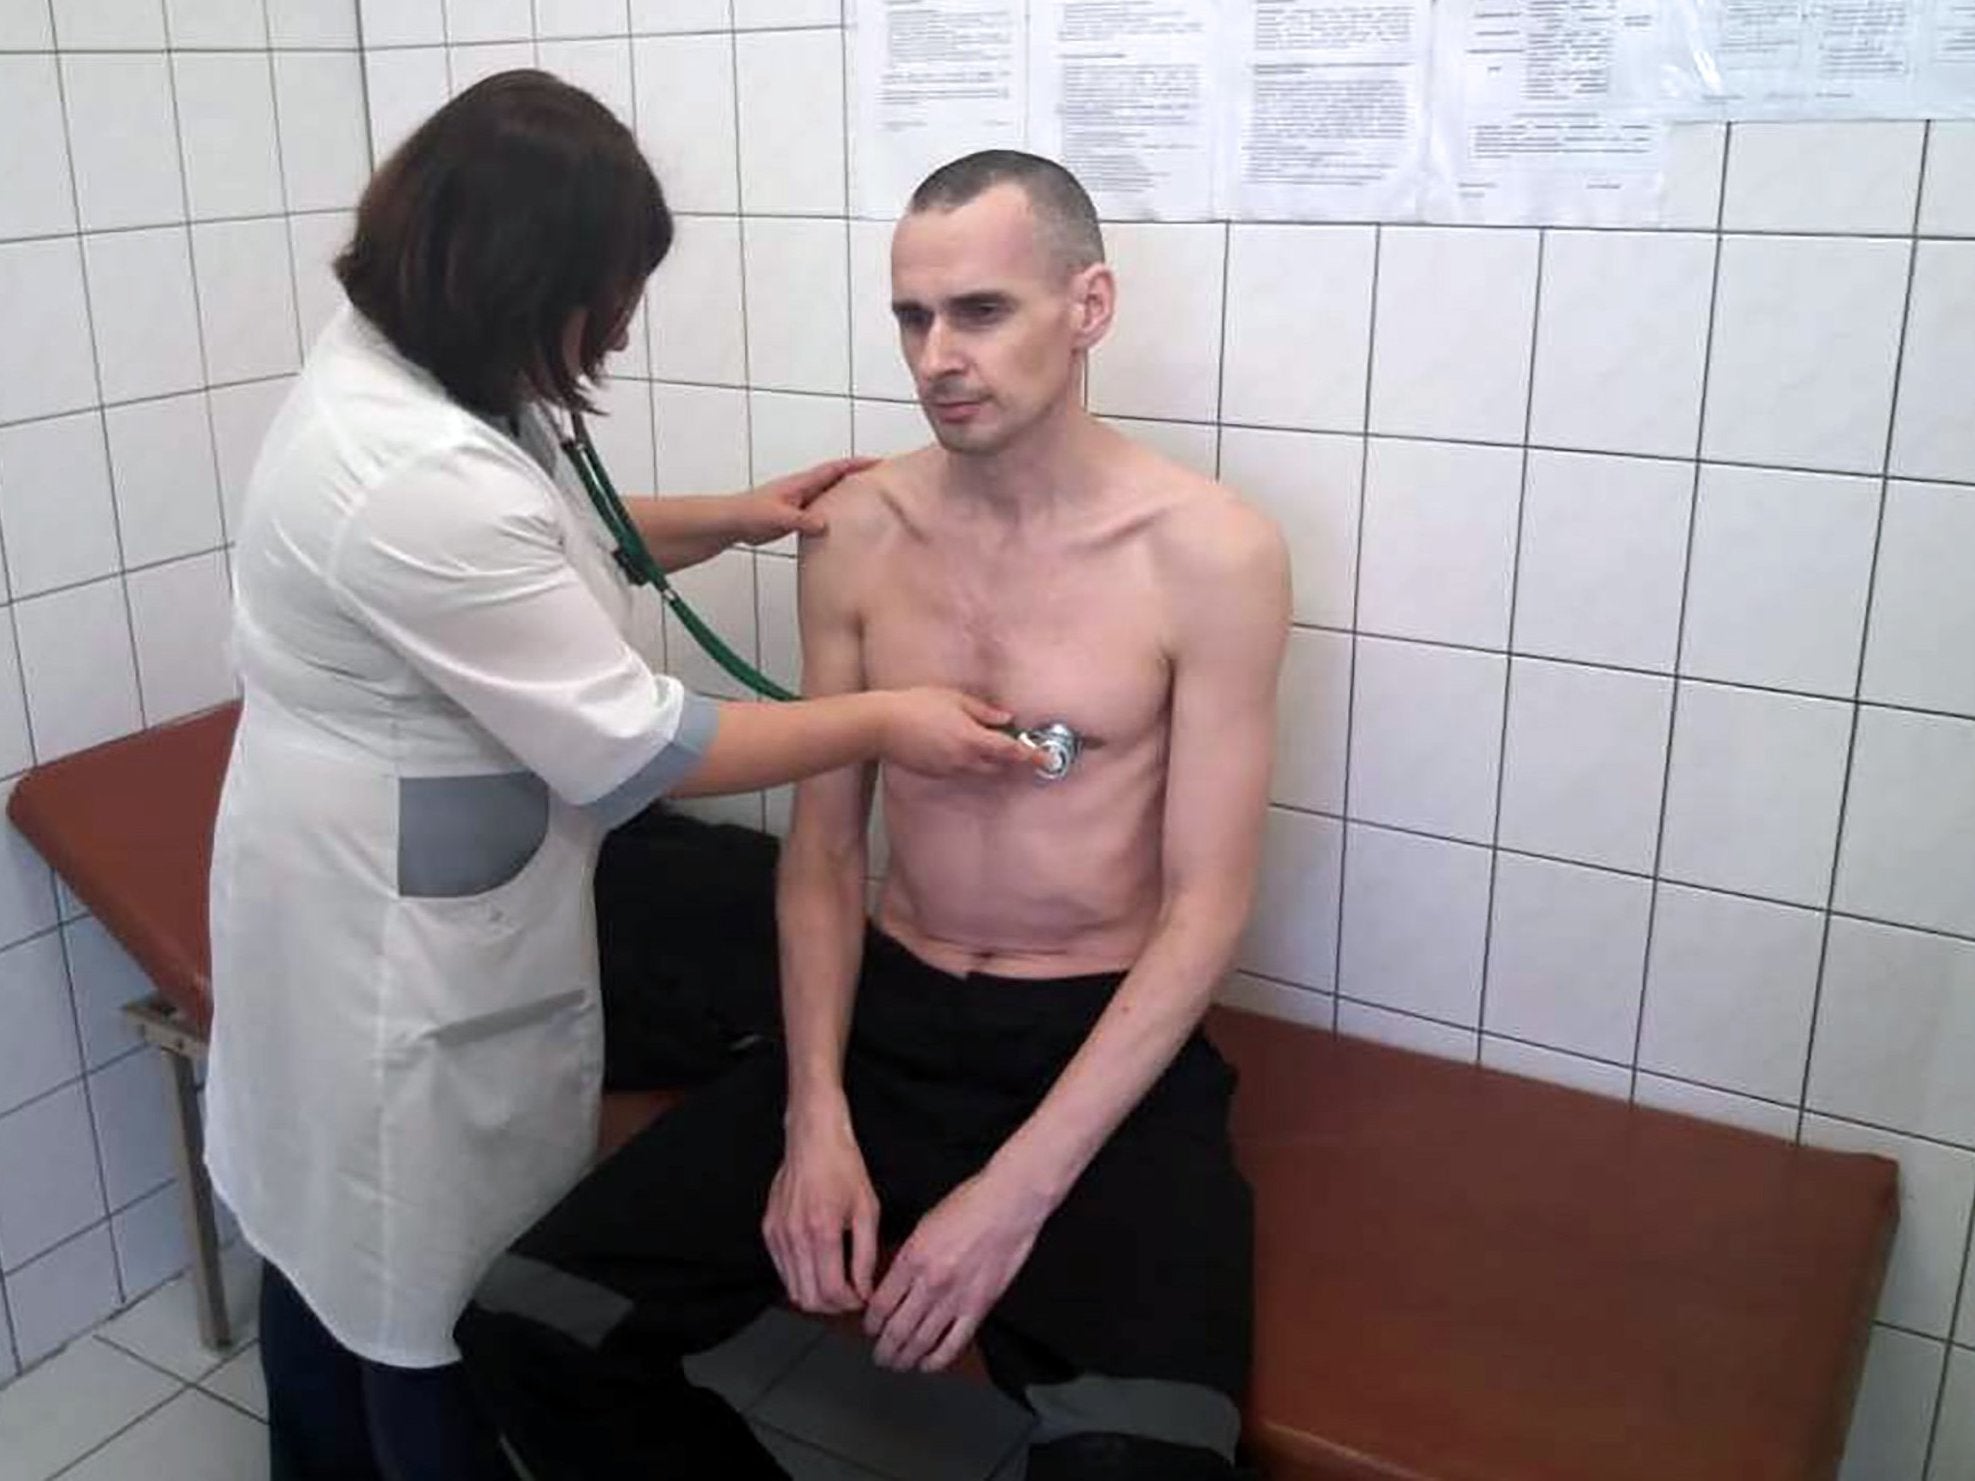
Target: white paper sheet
{"x": 1324, "y": 105}
{"x": 932, "y": 80}
{"x": 1123, "y": 93}
{"x": 1544, "y": 111}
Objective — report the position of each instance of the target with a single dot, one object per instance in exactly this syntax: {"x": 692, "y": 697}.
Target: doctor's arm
{"x": 684, "y": 529}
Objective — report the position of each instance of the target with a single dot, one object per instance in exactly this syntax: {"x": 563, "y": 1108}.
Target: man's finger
{"x": 957, "y": 1337}
{"x": 863, "y": 1251}
{"x": 933, "y": 1324}
{"x": 900, "y": 1326}
{"x": 831, "y": 1285}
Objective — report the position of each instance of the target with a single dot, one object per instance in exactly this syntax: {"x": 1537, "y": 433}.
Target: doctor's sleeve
{"x": 457, "y": 562}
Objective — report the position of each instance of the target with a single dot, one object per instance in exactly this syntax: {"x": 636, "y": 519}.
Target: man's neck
{"x": 1053, "y": 464}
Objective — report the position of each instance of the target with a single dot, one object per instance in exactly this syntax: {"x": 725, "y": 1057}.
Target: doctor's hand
{"x": 948, "y": 1275}
{"x": 821, "y": 1194}
{"x": 781, "y": 506}
{"x": 941, "y": 732}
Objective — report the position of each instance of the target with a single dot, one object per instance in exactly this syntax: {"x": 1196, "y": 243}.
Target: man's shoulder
{"x": 1205, "y": 530}
{"x": 869, "y": 507}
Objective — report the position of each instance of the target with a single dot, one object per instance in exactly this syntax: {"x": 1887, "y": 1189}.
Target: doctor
{"x": 442, "y": 717}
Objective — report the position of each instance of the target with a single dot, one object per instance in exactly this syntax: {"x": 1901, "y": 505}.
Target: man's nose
{"x": 941, "y": 352}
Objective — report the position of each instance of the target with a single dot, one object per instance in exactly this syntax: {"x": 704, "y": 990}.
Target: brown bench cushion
{"x": 1462, "y": 1275}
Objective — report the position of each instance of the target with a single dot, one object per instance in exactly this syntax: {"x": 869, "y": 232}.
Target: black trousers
{"x": 333, "y": 1416}
{"x": 1127, "y": 1332}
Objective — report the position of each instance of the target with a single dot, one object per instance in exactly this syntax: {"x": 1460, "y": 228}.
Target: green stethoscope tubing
{"x": 635, "y": 559}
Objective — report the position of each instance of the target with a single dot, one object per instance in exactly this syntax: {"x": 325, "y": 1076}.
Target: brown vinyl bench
{"x": 1461, "y": 1275}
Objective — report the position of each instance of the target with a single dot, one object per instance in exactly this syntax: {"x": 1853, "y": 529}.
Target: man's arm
{"x": 1228, "y": 653}
{"x": 822, "y": 1189}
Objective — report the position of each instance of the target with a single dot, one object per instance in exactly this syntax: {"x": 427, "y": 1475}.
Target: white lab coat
{"x": 442, "y": 715}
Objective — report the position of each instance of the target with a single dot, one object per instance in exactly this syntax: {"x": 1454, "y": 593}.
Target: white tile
{"x": 1964, "y": 1324}
{"x": 226, "y": 129}
{"x": 1450, "y": 356}
{"x": 789, "y": 433}
{"x": 105, "y": 979}
{"x": 886, "y": 429}
{"x": 581, "y": 18}
{"x": 1162, "y": 355}
{"x": 404, "y": 89}
{"x": 1415, "y": 924}
{"x": 240, "y": 1381}
{"x": 1691, "y": 195}
{"x": 1753, "y": 795}
{"x": 1298, "y": 1005}
{"x": 1298, "y": 337}
{"x": 70, "y": 1405}
{"x": 161, "y": 461}
{"x": 702, "y": 437}
{"x": 1567, "y": 956}
{"x": 1571, "y": 1070}
{"x": 686, "y": 106}
{"x": 1920, "y": 644}
{"x": 623, "y": 434}
{"x": 1621, "y": 341}
{"x": 1777, "y": 584}
{"x": 1313, "y": 707}
{"x": 151, "y": 1243}
{"x": 489, "y": 20}
{"x": 39, "y": 1050}
{"x": 1292, "y": 931}
{"x": 1894, "y": 1410}
{"x": 401, "y": 22}
{"x": 1932, "y": 434}
{"x": 877, "y": 365}
{"x": 325, "y": 143}
{"x": 1308, "y": 483}
{"x": 1439, "y": 542}
{"x": 1729, "y": 988}
{"x": 634, "y": 360}
{"x": 1947, "y": 200}
{"x": 781, "y": 634}
{"x": 601, "y": 66}
{"x": 1604, "y": 546}
{"x": 1954, "y": 1441}
{"x": 33, "y": 152}
{"x": 1806, "y": 332}
{"x": 1190, "y": 444}
{"x": 145, "y": 315}
{"x": 471, "y": 64}
{"x": 317, "y": 239}
{"x": 45, "y": 360}
{"x": 163, "y": 1328}
{"x": 901, "y": 1424}
{"x": 55, "y": 503}
{"x": 49, "y": 1189}
{"x": 805, "y": 1462}
{"x": 695, "y": 298}
{"x": 1426, "y": 738}
{"x": 1408, "y": 1031}
{"x": 81, "y": 678}
{"x": 27, "y": 896}
{"x": 63, "y": 1294}
{"x": 26, "y": 25}
{"x": 193, "y": 1435}
{"x": 1708, "y": 1104}
{"x": 766, "y": 13}
{"x": 797, "y": 304}
{"x": 307, "y": 23}
{"x": 19, "y": 898}
{"x": 722, "y": 592}
{"x": 8, "y": 1367}
{"x": 181, "y": 615}
{"x": 1823, "y": 176}
{"x": 1909, "y": 854}
{"x": 121, "y": 140}
{"x": 742, "y": 1368}
{"x": 791, "y": 133}
{"x": 1937, "y": 1191}
{"x": 241, "y": 415}
{"x": 246, "y": 299}
{"x": 655, "y": 16}
{"x": 1896, "y": 1031}
{"x": 216, "y": 23}
{"x": 743, "y": 809}
{"x": 109, "y": 25}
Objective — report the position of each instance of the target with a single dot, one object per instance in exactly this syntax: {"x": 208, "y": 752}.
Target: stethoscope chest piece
{"x": 1060, "y": 747}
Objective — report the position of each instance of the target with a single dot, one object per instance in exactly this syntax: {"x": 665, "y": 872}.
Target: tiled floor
{"x": 140, "y": 1399}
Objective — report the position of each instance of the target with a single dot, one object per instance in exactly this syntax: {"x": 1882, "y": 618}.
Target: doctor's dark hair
{"x": 518, "y": 204}
{"x": 1063, "y": 212}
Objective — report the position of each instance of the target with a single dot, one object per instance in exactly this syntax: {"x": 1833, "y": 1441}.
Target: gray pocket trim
{"x": 466, "y": 835}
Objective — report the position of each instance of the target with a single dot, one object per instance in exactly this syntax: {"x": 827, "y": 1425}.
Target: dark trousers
{"x": 333, "y": 1416}
{"x": 1126, "y": 1333}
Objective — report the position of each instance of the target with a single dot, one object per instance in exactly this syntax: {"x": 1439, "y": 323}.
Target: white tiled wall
{"x": 176, "y": 177}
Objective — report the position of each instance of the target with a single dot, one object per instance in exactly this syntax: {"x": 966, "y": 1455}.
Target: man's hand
{"x": 781, "y": 506}
{"x": 948, "y": 1275}
{"x": 822, "y": 1192}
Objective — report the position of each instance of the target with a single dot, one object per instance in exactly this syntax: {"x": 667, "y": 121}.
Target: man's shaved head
{"x": 1066, "y": 222}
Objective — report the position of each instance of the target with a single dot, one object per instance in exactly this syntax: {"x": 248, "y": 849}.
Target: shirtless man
{"x": 1004, "y": 1069}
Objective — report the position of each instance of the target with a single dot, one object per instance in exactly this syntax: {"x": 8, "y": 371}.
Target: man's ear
{"x": 1094, "y": 299}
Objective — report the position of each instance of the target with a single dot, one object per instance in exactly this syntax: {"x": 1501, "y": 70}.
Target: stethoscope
{"x": 1059, "y": 744}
